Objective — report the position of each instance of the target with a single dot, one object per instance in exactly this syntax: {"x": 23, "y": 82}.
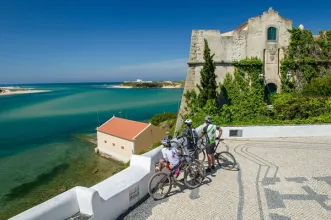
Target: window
{"x": 105, "y": 141}
{"x": 272, "y": 33}
{"x": 113, "y": 144}
{"x": 236, "y": 133}
{"x": 122, "y": 147}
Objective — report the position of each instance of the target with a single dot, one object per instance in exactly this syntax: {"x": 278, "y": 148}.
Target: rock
{"x": 96, "y": 170}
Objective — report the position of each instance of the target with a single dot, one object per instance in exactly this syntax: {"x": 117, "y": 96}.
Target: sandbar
{"x": 13, "y": 92}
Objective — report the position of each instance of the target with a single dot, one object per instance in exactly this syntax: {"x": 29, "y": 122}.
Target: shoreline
{"x": 131, "y": 87}
{"x": 18, "y": 92}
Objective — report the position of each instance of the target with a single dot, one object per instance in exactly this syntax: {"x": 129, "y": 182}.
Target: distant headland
{"x": 151, "y": 84}
{"x": 18, "y": 90}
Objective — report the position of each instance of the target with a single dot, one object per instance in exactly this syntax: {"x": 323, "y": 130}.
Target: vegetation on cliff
{"x": 306, "y": 88}
{"x": 165, "y": 120}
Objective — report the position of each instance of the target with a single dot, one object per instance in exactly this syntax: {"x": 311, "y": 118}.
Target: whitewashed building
{"x": 119, "y": 138}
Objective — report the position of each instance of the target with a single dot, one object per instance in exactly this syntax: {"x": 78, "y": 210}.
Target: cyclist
{"x": 209, "y": 131}
{"x": 170, "y": 153}
{"x": 191, "y": 137}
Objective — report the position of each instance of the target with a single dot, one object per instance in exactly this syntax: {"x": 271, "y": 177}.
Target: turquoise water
{"x": 37, "y": 131}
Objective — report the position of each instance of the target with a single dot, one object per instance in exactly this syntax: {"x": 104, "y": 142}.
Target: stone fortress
{"x": 264, "y": 36}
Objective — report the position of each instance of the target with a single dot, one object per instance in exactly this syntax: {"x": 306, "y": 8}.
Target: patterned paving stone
{"x": 280, "y": 178}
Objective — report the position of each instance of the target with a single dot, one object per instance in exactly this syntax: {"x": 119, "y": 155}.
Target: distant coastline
{"x": 150, "y": 84}
{"x": 17, "y": 90}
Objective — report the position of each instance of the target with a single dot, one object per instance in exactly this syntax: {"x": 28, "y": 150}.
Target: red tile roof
{"x": 122, "y": 128}
{"x": 242, "y": 26}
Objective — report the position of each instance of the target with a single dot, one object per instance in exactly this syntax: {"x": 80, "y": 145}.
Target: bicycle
{"x": 168, "y": 177}
{"x": 196, "y": 146}
{"x": 221, "y": 156}
{"x": 196, "y": 151}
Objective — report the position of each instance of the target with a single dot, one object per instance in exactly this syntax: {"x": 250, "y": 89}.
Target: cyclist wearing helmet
{"x": 170, "y": 155}
{"x": 191, "y": 136}
{"x": 210, "y": 133}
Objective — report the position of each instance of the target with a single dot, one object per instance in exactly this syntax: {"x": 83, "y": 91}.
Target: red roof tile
{"x": 122, "y": 128}
{"x": 242, "y": 26}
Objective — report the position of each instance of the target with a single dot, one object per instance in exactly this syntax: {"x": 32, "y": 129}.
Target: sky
{"x": 46, "y": 41}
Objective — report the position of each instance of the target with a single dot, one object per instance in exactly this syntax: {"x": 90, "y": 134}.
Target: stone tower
{"x": 263, "y": 36}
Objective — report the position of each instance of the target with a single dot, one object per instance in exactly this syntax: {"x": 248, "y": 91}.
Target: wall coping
{"x": 197, "y": 62}
{"x": 272, "y": 125}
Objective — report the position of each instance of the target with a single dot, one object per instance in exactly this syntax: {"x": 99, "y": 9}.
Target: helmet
{"x": 188, "y": 122}
{"x": 166, "y": 141}
{"x": 208, "y": 119}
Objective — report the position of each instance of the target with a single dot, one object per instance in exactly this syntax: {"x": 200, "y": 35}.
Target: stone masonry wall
{"x": 222, "y": 53}
{"x": 248, "y": 41}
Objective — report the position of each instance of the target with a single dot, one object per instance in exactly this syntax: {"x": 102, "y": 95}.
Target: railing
{"x": 113, "y": 196}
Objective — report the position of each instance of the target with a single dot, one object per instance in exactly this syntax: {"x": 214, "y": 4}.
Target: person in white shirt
{"x": 209, "y": 131}
{"x": 170, "y": 153}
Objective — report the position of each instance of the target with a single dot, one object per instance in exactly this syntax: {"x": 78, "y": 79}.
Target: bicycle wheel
{"x": 193, "y": 176}
{"x": 226, "y": 160}
{"x": 202, "y": 167}
{"x": 159, "y": 181}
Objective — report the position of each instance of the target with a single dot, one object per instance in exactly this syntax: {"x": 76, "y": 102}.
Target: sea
{"x": 44, "y": 147}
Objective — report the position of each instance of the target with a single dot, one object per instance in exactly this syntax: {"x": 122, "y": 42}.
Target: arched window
{"x": 272, "y": 33}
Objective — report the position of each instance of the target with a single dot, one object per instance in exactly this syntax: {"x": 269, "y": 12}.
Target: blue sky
{"x": 81, "y": 41}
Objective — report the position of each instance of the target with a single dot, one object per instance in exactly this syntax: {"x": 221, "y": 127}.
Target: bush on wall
{"x": 306, "y": 58}
{"x": 305, "y": 96}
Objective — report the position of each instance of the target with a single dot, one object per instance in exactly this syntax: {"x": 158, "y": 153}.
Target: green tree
{"x": 208, "y": 86}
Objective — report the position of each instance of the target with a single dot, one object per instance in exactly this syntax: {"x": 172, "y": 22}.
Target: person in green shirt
{"x": 209, "y": 131}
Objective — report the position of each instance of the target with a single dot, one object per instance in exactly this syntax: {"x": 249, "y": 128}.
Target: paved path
{"x": 283, "y": 178}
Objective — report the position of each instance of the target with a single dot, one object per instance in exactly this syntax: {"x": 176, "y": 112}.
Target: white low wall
{"x": 113, "y": 196}
{"x": 59, "y": 207}
{"x": 279, "y": 131}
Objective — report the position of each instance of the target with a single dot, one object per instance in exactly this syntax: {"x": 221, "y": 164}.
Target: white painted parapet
{"x": 60, "y": 207}
{"x": 110, "y": 198}
{"x": 277, "y": 131}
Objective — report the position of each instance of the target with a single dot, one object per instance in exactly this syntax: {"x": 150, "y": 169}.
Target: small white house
{"x": 119, "y": 138}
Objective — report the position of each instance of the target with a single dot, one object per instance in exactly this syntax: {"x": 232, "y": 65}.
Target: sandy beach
{"x": 120, "y": 87}
{"x": 130, "y": 87}
{"x": 172, "y": 87}
{"x": 22, "y": 92}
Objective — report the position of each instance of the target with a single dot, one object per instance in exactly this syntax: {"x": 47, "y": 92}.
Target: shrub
{"x": 296, "y": 106}
{"x": 318, "y": 87}
{"x": 159, "y": 118}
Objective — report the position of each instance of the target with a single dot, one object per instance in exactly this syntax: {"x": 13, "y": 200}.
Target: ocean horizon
{"x": 42, "y": 147}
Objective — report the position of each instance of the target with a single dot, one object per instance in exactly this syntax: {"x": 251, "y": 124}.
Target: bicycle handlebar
{"x": 179, "y": 136}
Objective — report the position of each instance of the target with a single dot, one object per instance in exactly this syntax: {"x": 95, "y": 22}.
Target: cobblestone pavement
{"x": 280, "y": 178}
